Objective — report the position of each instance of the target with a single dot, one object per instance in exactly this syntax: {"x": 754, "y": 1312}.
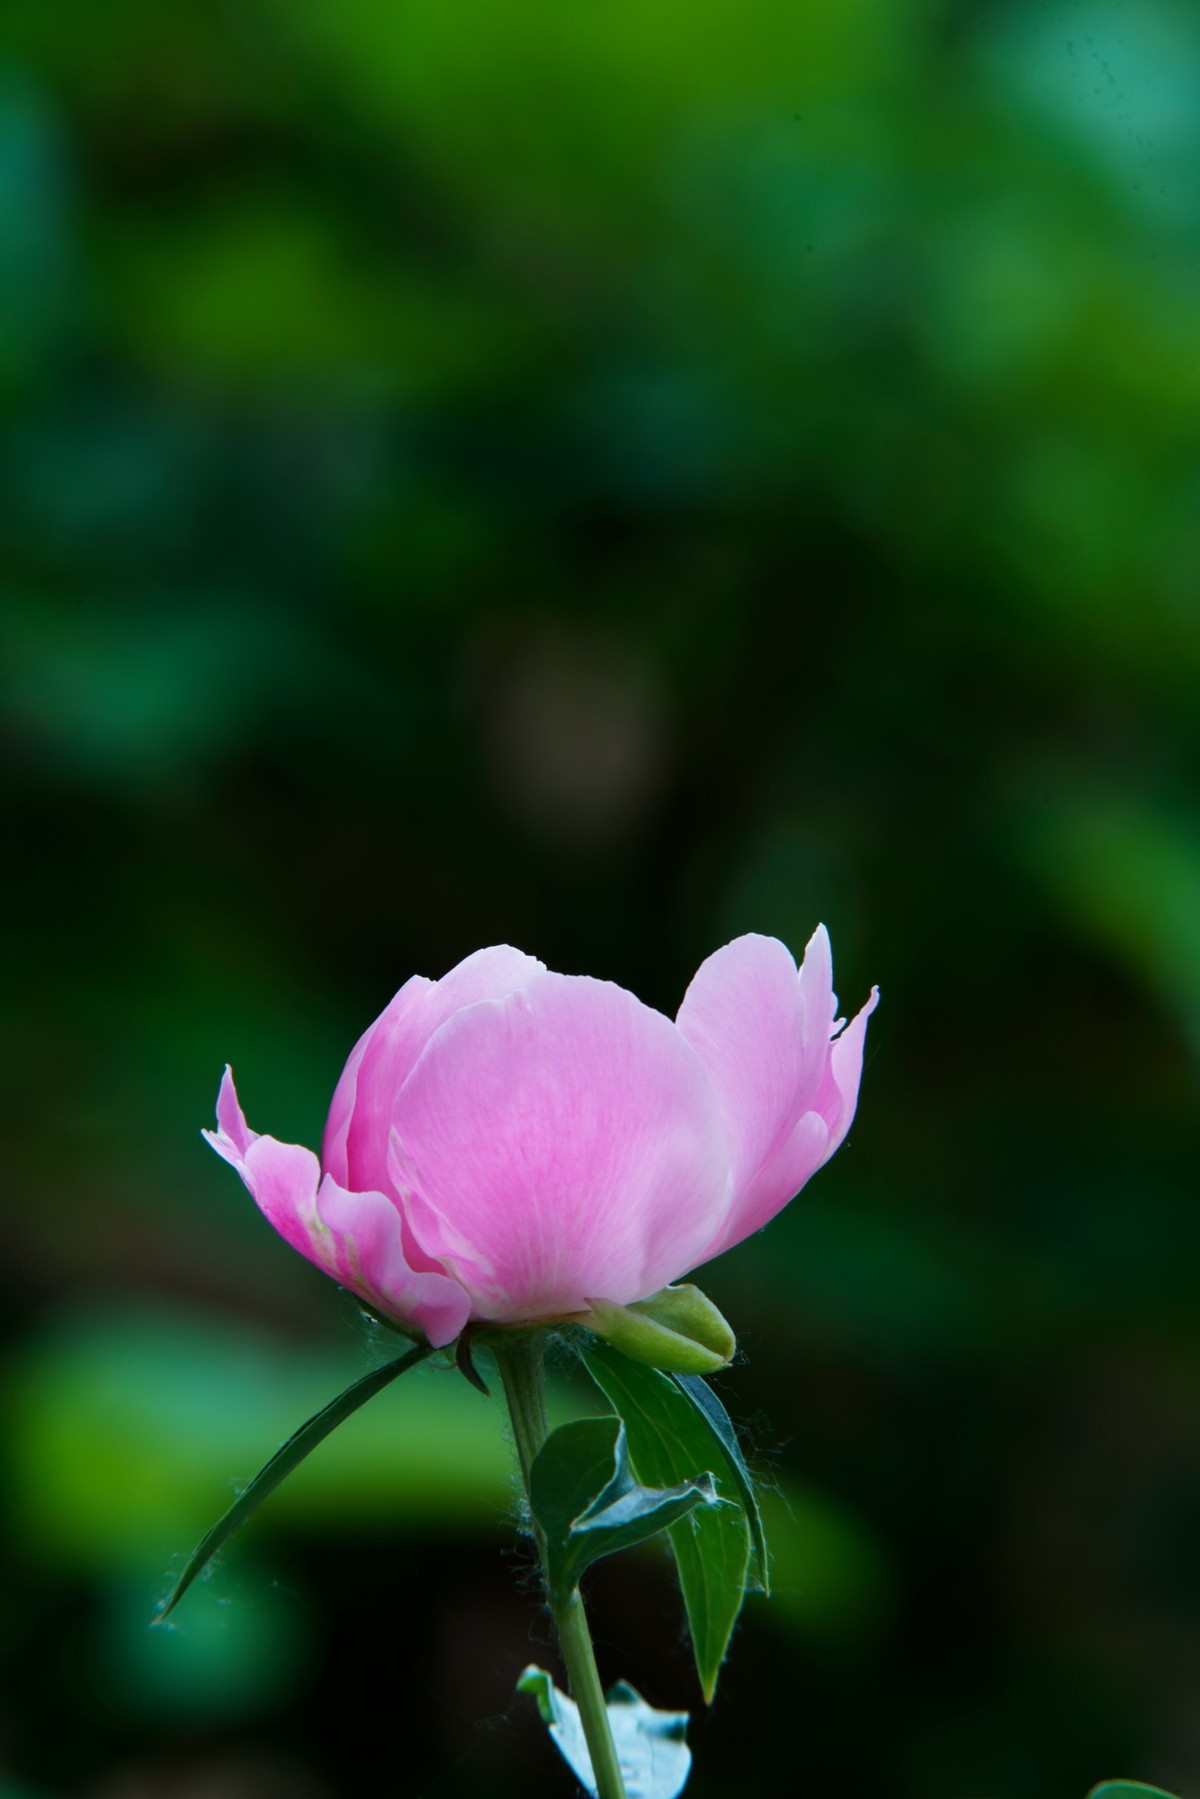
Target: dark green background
{"x": 605, "y": 476}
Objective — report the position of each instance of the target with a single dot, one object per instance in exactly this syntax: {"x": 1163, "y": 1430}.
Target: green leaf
{"x": 651, "y": 1746}
{"x": 283, "y": 1462}
{"x": 1127, "y": 1789}
{"x": 587, "y": 1503}
{"x": 667, "y": 1436}
{"x": 723, "y": 1434}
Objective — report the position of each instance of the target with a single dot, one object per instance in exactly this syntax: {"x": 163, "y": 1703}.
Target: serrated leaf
{"x": 583, "y": 1494}
{"x": 287, "y": 1458}
{"x": 667, "y": 1436}
{"x": 651, "y": 1745}
{"x": 1127, "y": 1789}
{"x": 723, "y": 1434}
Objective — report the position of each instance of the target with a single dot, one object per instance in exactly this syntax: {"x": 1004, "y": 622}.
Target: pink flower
{"x": 510, "y": 1144}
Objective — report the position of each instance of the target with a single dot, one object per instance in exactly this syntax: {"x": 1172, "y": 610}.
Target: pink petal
{"x": 762, "y": 1032}
{"x": 838, "y": 1095}
{"x": 558, "y": 1145}
{"x": 334, "y": 1155}
{"x": 817, "y": 997}
{"x": 283, "y": 1180}
{"x": 232, "y": 1138}
{"x": 355, "y": 1237}
{"x": 360, "y": 1119}
{"x": 811, "y": 1143}
{"x": 364, "y": 1250}
{"x": 794, "y": 1162}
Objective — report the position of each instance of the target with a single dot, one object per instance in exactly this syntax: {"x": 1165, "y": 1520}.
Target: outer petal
{"x": 364, "y": 1250}
{"x": 360, "y": 1118}
{"x": 811, "y": 1143}
{"x": 560, "y": 1145}
{"x": 817, "y": 998}
{"x": 232, "y": 1138}
{"x": 763, "y": 1034}
{"x": 334, "y": 1154}
{"x": 355, "y": 1237}
{"x": 838, "y": 1095}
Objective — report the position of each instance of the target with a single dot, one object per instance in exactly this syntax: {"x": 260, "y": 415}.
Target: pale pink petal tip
{"x": 232, "y": 1137}
{"x": 230, "y": 1117}
{"x": 816, "y": 985}
{"x": 820, "y": 950}
{"x": 839, "y": 1094}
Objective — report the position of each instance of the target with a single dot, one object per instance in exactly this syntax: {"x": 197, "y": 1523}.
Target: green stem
{"x": 519, "y": 1355}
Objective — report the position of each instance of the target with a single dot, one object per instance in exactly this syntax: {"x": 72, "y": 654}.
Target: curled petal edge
{"x": 817, "y": 1134}
{"x": 839, "y": 1094}
{"x": 356, "y": 1238}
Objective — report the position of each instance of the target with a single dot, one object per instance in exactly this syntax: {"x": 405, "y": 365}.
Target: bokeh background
{"x": 605, "y": 476}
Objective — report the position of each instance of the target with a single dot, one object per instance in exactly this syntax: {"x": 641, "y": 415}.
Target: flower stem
{"x": 519, "y": 1355}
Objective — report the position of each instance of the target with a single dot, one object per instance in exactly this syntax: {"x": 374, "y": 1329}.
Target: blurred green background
{"x": 605, "y": 476}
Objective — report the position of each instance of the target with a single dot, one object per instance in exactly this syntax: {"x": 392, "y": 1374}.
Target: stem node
{"x": 520, "y": 1358}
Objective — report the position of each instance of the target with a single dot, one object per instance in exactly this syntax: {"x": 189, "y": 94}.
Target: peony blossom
{"x": 508, "y": 1144}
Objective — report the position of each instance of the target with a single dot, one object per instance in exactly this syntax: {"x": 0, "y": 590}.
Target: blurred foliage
{"x": 604, "y": 480}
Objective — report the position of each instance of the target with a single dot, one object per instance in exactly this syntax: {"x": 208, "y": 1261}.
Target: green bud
{"x": 678, "y": 1330}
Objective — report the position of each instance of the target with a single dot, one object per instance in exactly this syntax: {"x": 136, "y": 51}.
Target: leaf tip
{"x": 536, "y": 1681}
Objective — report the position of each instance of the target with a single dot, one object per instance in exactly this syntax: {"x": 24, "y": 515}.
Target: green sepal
{"x": 287, "y": 1458}
{"x": 587, "y": 1504}
{"x": 667, "y": 1436}
{"x": 651, "y": 1746}
{"x": 464, "y": 1361}
{"x": 721, "y": 1430}
{"x": 678, "y": 1329}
